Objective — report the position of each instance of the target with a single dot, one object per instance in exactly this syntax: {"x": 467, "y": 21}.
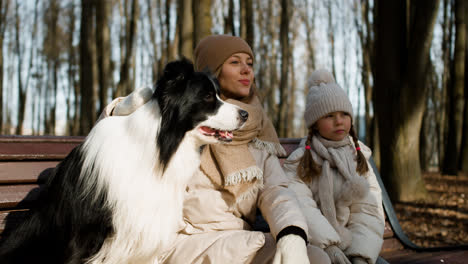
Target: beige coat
{"x": 364, "y": 219}
{"x": 214, "y": 232}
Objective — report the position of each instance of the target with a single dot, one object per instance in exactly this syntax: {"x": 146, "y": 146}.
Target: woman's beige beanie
{"x": 325, "y": 96}
{"x": 212, "y": 51}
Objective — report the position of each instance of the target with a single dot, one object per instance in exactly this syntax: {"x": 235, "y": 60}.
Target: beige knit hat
{"x": 325, "y": 96}
{"x": 212, "y": 51}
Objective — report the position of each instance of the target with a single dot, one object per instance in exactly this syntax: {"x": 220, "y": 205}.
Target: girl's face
{"x": 334, "y": 126}
{"x": 236, "y": 76}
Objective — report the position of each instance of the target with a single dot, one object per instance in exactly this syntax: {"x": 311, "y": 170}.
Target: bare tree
{"x": 103, "y": 52}
{"x": 307, "y": 10}
{"x": 87, "y": 68}
{"x": 285, "y": 61}
{"x": 202, "y": 22}
{"x": 441, "y": 94}
{"x": 23, "y": 86}
{"x": 185, "y": 24}
{"x": 4, "y": 6}
{"x": 229, "y": 27}
{"x": 124, "y": 85}
{"x": 73, "y": 95}
{"x": 456, "y": 91}
{"x": 52, "y": 49}
{"x": 247, "y": 21}
{"x": 463, "y": 163}
{"x": 331, "y": 35}
{"x": 402, "y": 47}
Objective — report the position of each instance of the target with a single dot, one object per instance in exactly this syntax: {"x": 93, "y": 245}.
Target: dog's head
{"x": 190, "y": 105}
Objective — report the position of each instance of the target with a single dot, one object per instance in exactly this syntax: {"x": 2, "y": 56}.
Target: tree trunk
{"x": 290, "y": 130}
{"x": 202, "y": 22}
{"x": 331, "y": 36}
{"x": 248, "y": 22}
{"x": 21, "y": 93}
{"x": 185, "y": 22}
{"x": 54, "y": 58}
{"x": 285, "y": 61}
{"x": 154, "y": 45}
{"x": 441, "y": 120}
{"x": 4, "y": 5}
{"x": 272, "y": 64}
{"x": 124, "y": 86}
{"x": 401, "y": 55}
{"x": 103, "y": 52}
{"x": 87, "y": 69}
{"x": 73, "y": 95}
{"x": 307, "y": 13}
{"x": 167, "y": 36}
{"x": 463, "y": 165}
{"x": 456, "y": 94}
{"x": 229, "y": 20}
{"x": 23, "y": 87}
{"x": 365, "y": 32}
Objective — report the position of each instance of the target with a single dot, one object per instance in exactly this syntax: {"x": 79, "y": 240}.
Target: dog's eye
{"x": 208, "y": 97}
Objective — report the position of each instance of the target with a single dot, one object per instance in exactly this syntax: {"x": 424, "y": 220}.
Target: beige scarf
{"x": 338, "y": 155}
{"x": 231, "y": 167}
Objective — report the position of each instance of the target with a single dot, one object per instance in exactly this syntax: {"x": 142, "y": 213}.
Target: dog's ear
{"x": 212, "y": 78}
{"x": 177, "y": 71}
{"x": 175, "y": 74}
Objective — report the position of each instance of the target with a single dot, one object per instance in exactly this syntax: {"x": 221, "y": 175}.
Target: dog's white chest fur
{"x": 146, "y": 205}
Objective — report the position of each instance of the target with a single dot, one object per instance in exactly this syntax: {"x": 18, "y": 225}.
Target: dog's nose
{"x": 244, "y": 115}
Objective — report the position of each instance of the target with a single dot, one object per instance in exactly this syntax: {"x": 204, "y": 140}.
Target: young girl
{"x": 335, "y": 186}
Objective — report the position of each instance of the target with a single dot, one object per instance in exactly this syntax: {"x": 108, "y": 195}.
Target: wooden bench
{"x": 24, "y": 160}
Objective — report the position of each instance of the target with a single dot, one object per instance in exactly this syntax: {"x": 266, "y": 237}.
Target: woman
{"x": 235, "y": 179}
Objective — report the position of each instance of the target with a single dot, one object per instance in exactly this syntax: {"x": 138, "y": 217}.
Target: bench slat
{"x": 391, "y": 244}
{"x": 23, "y": 172}
{"x": 10, "y": 219}
{"x": 388, "y": 233}
{"x": 18, "y": 196}
{"x": 36, "y": 148}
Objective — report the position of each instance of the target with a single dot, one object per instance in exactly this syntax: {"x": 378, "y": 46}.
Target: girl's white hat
{"x": 325, "y": 96}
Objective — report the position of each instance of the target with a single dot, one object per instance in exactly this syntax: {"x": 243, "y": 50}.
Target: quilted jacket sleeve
{"x": 367, "y": 221}
{"x": 321, "y": 232}
{"x": 276, "y": 202}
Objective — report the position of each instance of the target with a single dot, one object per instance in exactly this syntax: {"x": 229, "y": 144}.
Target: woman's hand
{"x": 134, "y": 100}
{"x": 336, "y": 255}
{"x": 291, "y": 249}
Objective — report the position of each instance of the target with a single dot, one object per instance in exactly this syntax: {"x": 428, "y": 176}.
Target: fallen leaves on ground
{"x": 442, "y": 220}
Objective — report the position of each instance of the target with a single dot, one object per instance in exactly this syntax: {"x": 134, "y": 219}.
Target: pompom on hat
{"x": 213, "y": 50}
{"x": 325, "y": 96}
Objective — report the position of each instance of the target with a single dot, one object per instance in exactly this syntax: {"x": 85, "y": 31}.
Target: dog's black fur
{"x": 67, "y": 226}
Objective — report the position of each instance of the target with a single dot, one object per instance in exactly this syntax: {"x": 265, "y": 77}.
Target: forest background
{"x": 402, "y": 63}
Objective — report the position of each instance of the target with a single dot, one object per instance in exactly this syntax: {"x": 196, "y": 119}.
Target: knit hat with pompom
{"x": 325, "y": 96}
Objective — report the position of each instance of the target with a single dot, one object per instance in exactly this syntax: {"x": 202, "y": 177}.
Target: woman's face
{"x": 334, "y": 126}
{"x": 236, "y": 76}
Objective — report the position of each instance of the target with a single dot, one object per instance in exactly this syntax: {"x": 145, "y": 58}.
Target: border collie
{"x": 117, "y": 197}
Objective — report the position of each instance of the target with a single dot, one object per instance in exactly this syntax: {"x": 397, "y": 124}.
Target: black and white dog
{"x": 117, "y": 198}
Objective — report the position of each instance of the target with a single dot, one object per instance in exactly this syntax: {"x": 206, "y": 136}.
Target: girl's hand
{"x": 359, "y": 261}
{"x": 291, "y": 249}
{"x": 336, "y": 255}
